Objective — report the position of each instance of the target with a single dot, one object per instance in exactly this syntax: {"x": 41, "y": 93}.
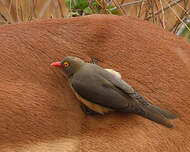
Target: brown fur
{"x": 38, "y": 111}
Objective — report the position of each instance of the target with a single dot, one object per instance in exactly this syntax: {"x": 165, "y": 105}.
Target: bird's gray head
{"x": 70, "y": 65}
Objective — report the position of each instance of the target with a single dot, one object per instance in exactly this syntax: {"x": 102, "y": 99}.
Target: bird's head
{"x": 70, "y": 65}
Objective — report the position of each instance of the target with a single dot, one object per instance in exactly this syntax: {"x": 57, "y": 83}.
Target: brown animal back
{"x": 39, "y": 111}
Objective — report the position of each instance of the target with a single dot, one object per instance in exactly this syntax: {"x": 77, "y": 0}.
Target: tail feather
{"x": 164, "y": 112}
{"x": 154, "y": 115}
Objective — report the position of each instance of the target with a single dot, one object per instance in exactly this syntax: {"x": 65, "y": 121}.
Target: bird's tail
{"x": 156, "y": 114}
{"x": 164, "y": 112}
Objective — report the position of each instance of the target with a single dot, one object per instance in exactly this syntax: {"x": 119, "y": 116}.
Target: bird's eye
{"x": 66, "y": 64}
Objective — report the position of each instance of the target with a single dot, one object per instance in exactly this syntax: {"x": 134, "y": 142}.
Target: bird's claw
{"x": 94, "y": 60}
{"x": 87, "y": 111}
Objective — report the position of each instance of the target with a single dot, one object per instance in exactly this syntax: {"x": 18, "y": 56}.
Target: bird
{"x": 103, "y": 90}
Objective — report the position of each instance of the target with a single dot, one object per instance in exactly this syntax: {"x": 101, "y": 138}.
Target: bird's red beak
{"x": 56, "y": 64}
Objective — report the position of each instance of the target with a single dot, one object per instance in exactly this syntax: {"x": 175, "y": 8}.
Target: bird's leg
{"x": 94, "y": 60}
{"x": 86, "y": 110}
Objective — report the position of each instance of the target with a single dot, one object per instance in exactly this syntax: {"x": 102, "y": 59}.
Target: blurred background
{"x": 171, "y": 15}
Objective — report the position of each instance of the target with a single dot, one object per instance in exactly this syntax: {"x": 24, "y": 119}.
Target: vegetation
{"x": 85, "y": 7}
{"x": 170, "y": 15}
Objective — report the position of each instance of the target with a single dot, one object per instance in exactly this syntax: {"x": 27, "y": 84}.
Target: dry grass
{"x": 168, "y": 14}
{"x": 12, "y": 11}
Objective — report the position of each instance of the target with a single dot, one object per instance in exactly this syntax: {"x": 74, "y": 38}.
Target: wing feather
{"x": 99, "y": 86}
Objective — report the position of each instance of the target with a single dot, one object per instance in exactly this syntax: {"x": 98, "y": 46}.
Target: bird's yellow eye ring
{"x": 66, "y": 64}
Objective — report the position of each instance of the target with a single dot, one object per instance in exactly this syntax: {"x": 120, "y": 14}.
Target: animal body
{"x": 38, "y": 111}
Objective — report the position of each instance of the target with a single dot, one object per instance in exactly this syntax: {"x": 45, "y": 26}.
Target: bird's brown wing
{"x": 132, "y": 93}
{"x": 98, "y": 86}
{"x": 91, "y": 85}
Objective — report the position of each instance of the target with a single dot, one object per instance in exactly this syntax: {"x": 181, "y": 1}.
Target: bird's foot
{"x": 94, "y": 60}
{"x": 87, "y": 111}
